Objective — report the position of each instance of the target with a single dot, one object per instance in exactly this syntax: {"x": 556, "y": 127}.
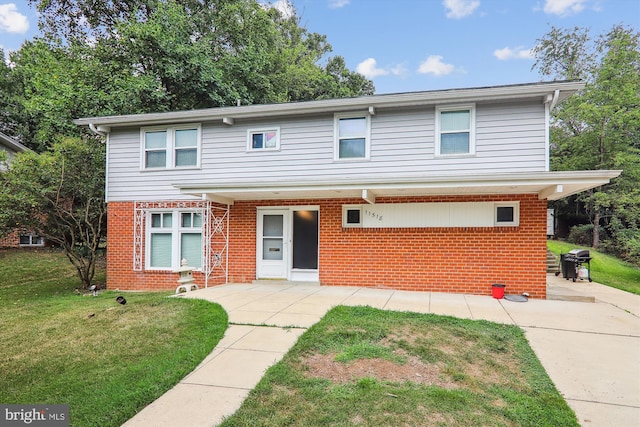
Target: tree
{"x": 600, "y": 127}
{"x": 59, "y": 194}
{"x": 111, "y": 57}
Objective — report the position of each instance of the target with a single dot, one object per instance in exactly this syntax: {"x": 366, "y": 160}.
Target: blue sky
{"x": 413, "y": 45}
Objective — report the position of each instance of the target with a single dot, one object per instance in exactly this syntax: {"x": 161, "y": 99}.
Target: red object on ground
{"x": 497, "y": 291}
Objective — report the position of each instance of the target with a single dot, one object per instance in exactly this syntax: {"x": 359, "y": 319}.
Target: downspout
{"x": 104, "y": 131}
{"x": 550, "y": 101}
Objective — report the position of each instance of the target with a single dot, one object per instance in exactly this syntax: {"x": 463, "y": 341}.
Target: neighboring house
{"x": 10, "y": 146}
{"x": 441, "y": 190}
{"x": 18, "y": 238}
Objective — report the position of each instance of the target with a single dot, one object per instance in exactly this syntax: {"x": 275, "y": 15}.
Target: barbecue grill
{"x": 573, "y": 264}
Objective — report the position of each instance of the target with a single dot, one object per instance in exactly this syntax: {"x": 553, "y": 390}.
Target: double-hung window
{"x": 263, "y": 139}
{"x": 171, "y": 147}
{"x": 173, "y": 236}
{"x": 455, "y": 130}
{"x": 352, "y": 136}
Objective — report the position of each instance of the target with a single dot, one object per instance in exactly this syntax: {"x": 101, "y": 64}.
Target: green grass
{"x": 605, "y": 269}
{"x": 345, "y": 371}
{"x": 106, "y": 360}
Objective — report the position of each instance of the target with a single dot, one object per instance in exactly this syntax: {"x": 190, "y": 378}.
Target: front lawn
{"x": 106, "y": 360}
{"x": 363, "y": 366}
{"x": 605, "y": 269}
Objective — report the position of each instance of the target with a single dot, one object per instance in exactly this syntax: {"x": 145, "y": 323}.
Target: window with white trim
{"x": 31, "y": 240}
{"x": 173, "y": 236}
{"x": 263, "y": 139}
{"x": 352, "y": 136}
{"x": 351, "y": 216}
{"x": 170, "y": 147}
{"x": 507, "y": 213}
{"x": 455, "y": 130}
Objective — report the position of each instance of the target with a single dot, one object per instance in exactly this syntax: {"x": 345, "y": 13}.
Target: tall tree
{"x": 600, "y": 127}
{"x": 136, "y": 56}
{"x": 59, "y": 195}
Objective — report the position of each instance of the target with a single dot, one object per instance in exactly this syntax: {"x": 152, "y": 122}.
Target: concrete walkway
{"x": 591, "y": 351}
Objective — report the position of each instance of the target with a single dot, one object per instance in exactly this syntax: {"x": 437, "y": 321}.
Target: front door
{"x": 273, "y": 242}
{"x": 287, "y": 246}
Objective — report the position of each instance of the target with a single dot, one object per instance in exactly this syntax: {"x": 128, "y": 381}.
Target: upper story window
{"x": 171, "y": 147}
{"x": 352, "y": 136}
{"x": 455, "y": 130}
{"x": 263, "y": 139}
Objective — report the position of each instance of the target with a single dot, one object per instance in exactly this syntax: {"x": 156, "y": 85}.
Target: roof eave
{"x": 547, "y": 185}
{"x": 508, "y": 92}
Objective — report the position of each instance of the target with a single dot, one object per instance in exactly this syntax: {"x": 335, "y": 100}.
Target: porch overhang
{"x": 546, "y": 185}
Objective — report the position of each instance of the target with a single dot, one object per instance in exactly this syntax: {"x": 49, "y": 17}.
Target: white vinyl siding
{"x": 170, "y": 147}
{"x": 510, "y": 137}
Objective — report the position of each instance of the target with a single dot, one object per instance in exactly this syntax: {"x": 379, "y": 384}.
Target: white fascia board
{"x": 520, "y": 91}
{"x": 549, "y": 178}
{"x": 566, "y": 183}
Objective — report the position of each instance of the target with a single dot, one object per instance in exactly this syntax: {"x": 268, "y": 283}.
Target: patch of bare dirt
{"x": 414, "y": 370}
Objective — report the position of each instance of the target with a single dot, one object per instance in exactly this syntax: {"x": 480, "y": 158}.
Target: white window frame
{"x": 34, "y": 240}
{"x": 336, "y": 132}
{"x": 345, "y": 210}
{"x": 516, "y": 214}
{"x": 251, "y": 132}
{"x": 176, "y": 231}
{"x": 472, "y": 128}
{"x": 170, "y": 146}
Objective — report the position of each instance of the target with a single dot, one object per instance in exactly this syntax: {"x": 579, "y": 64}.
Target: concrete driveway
{"x": 591, "y": 350}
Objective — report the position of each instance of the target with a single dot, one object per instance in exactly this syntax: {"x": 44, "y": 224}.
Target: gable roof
{"x": 552, "y": 92}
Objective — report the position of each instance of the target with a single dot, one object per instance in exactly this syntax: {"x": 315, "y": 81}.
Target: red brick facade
{"x": 463, "y": 260}
{"x": 11, "y": 240}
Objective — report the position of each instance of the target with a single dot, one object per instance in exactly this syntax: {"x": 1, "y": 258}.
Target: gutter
{"x": 100, "y": 130}
{"x": 436, "y": 97}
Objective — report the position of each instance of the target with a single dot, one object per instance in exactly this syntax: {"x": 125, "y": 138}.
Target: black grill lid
{"x": 580, "y": 253}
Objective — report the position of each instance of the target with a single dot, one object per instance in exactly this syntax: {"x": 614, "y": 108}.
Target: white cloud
{"x": 12, "y": 21}
{"x": 434, "y": 65}
{"x": 457, "y": 9}
{"x": 368, "y": 68}
{"x": 337, "y": 4}
{"x": 563, "y": 7}
{"x": 516, "y": 53}
{"x": 399, "y": 70}
{"x": 283, "y": 6}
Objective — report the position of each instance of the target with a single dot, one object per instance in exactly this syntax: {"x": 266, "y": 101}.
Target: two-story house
{"x": 440, "y": 190}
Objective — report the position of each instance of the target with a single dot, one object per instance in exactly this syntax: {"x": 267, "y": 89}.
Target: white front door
{"x": 273, "y": 243}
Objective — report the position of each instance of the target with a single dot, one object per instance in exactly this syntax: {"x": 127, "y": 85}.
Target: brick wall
{"x": 10, "y": 240}
{"x": 463, "y": 260}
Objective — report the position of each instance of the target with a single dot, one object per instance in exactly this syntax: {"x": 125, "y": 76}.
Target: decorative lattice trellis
{"x": 215, "y": 235}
